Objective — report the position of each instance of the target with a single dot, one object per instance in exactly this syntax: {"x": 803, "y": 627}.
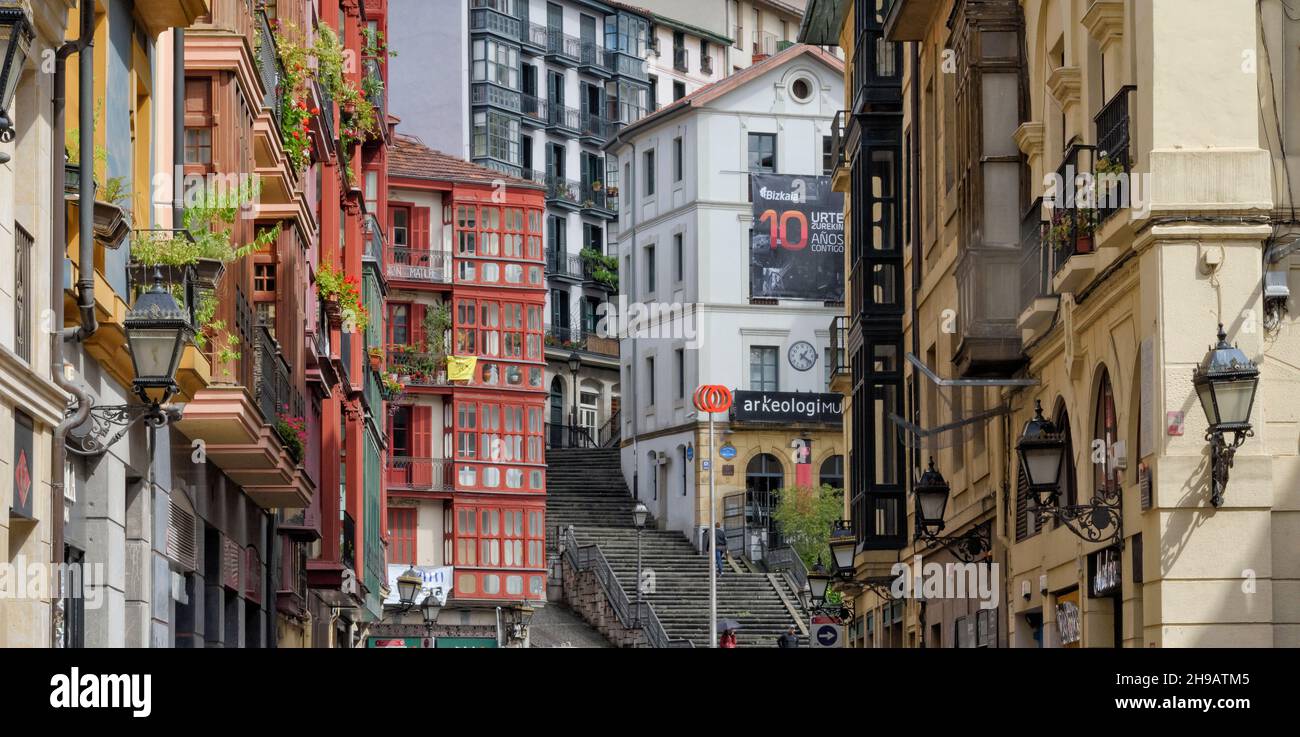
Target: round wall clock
{"x": 802, "y": 355}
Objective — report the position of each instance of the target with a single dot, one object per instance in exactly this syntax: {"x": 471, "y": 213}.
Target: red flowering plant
{"x": 293, "y": 433}
{"x": 334, "y": 286}
{"x": 295, "y": 111}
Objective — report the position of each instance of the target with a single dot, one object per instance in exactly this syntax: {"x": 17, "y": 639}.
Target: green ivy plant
{"x": 437, "y": 321}
{"x": 604, "y": 269}
{"x": 805, "y": 516}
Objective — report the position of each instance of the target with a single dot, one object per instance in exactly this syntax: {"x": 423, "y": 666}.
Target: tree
{"x": 805, "y": 515}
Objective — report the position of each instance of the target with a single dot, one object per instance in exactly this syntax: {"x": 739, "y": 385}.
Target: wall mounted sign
{"x": 1067, "y": 619}
{"x": 437, "y": 583}
{"x": 727, "y": 451}
{"x": 1105, "y": 572}
{"x": 399, "y": 643}
{"x": 728, "y": 470}
{"x": 796, "y": 246}
{"x": 787, "y": 407}
{"x": 1174, "y": 423}
{"x": 24, "y": 476}
{"x": 690, "y": 452}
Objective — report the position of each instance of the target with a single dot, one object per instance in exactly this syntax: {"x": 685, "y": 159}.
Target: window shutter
{"x": 1023, "y": 523}
{"x": 182, "y": 537}
{"x": 421, "y": 445}
{"x": 420, "y": 228}
{"x": 415, "y": 320}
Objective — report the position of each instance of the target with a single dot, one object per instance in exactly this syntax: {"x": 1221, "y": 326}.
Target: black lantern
{"x": 430, "y": 608}
{"x": 843, "y": 545}
{"x": 818, "y": 581}
{"x": 1225, "y": 382}
{"x": 931, "y": 498}
{"x": 639, "y": 515}
{"x": 156, "y": 331}
{"x": 16, "y": 40}
{"x": 575, "y": 363}
{"x": 1041, "y": 449}
{"x": 408, "y": 587}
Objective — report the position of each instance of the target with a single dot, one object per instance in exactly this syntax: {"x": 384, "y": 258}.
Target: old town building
{"x": 1033, "y": 285}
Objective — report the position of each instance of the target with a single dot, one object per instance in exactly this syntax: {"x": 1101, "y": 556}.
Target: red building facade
{"x": 466, "y": 468}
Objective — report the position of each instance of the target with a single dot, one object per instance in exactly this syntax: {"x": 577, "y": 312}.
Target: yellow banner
{"x": 461, "y": 368}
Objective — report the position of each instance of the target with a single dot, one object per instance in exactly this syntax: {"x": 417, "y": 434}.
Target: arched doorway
{"x": 764, "y": 477}
{"x": 832, "y": 472}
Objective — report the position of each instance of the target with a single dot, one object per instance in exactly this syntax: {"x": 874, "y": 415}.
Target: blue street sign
{"x": 705, "y": 464}
{"x": 727, "y": 451}
{"x": 827, "y": 634}
{"x": 690, "y": 453}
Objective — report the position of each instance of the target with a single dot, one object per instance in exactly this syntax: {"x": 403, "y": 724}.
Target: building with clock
{"x": 683, "y": 239}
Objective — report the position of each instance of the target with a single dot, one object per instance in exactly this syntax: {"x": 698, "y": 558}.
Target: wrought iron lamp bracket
{"x": 1088, "y": 521}
{"x": 104, "y": 419}
{"x": 967, "y": 547}
{"x": 1221, "y": 457}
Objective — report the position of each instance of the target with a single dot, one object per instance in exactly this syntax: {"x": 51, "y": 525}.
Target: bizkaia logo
{"x": 772, "y": 195}
{"x": 77, "y": 690}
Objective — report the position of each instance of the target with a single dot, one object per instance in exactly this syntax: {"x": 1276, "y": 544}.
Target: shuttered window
{"x": 182, "y": 537}
{"x": 401, "y": 534}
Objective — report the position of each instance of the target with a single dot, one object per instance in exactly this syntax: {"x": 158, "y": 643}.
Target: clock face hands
{"x": 802, "y": 355}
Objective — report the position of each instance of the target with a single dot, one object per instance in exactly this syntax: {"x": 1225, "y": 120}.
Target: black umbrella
{"x": 728, "y": 624}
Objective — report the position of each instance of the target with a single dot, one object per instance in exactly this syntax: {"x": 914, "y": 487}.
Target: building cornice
{"x": 1065, "y": 84}
{"x": 1029, "y": 138}
{"x": 1105, "y": 22}
{"x": 27, "y": 389}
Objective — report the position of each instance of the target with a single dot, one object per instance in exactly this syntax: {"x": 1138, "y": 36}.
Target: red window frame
{"x": 403, "y": 526}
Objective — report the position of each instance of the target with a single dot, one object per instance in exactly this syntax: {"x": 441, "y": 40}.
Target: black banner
{"x": 787, "y": 407}
{"x": 24, "y": 469}
{"x": 796, "y": 245}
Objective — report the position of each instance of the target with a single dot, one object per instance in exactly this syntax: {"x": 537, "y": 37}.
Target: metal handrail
{"x": 590, "y": 558}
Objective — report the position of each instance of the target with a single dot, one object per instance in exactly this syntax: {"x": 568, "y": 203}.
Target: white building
{"x": 681, "y": 58}
{"x": 683, "y": 235}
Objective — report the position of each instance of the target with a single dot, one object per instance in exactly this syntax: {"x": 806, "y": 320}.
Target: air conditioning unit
{"x": 661, "y": 458}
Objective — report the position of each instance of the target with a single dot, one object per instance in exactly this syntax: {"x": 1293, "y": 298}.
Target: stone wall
{"x": 585, "y": 596}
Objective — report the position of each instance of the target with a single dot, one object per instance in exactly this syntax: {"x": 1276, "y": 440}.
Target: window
{"x": 399, "y": 219}
{"x": 762, "y": 152}
{"x": 801, "y": 90}
{"x": 763, "y": 368}
{"x": 23, "y": 293}
{"x": 399, "y": 324}
{"x": 832, "y": 472}
{"x": 828, "y": 156}
{"x": 1105, "y": 433}
{"x": 654, "y": 91}
{"x": 648, "y": 161}
{"x": 496, "y": 136}
{"x": 198, "y": 122}
{"x": 679, "y": 90}
{"x": 401, "y": 535}
{"x": 650, "y": 380}
{"x": 650, "y": 269}
{"x": 679, "y": 258}
{"x": 496, "y": 62}
{"x": 679, "y": 370}
{"x": 677, "y": 159}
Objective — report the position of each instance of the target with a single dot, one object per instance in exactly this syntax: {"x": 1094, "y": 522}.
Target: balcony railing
{"x": 374, "y": 88}
{"x": 559, "y": 189}
{"x": 418, "y": 264}
{"x": 420, "y": 474}
{"x": 416, "y": 368}
{"x": 561, "y": 116}
{"x": 764, "y": 44}
{"x": 1074, "y": 217}
{"x": 838, "y": 138}
{"x": 483, "y": 93}
{"x": 269, "y": 66}
{"x": 273, "y": 386}
{"x": 594, "y": 126}
{"x": 1114, "y": 153}
{"x": 373, "y": 243}
{"x": 706, "y": 64}
{"x": 487, "y": 18}
{"x": 557, "y": 43}
{"x": 594, "y": 196}
{"x": 563, "y": 265}
{"x": 681, "y": 60}
{"x": 326, "y": 117}
{"x": 596, "y": 57}
{"x": 1036, "y": 267}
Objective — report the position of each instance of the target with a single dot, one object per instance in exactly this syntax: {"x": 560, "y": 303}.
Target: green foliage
{"x": 805, "y": 516}
{"x": 437, "y": 321}
{"x": 211, "y": 221}
{"x": 604, "y": 269}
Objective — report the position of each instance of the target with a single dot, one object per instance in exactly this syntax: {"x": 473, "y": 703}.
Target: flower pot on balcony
{"x": 1083, "y": 244}
{"x": 208, "y": 272}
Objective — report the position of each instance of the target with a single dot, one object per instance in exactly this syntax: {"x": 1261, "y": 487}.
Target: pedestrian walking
{"x": 727, "y": 639}
{"x": 789, "y": 639}
{"x": 720, "y": 544}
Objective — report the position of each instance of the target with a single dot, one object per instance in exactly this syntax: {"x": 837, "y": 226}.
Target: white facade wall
{"x": 709, "y": 208}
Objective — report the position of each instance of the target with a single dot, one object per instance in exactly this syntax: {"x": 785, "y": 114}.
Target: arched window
{"x": 556, "y": 418}
{"x": 1105, "y": 432}
{"x": 652, "y": 460}
{"x": 764, "y": 476}
{"x": 832, "y": 472}
{"x": 1066, "y": 481}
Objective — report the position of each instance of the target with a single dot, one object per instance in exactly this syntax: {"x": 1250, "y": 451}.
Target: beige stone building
{"x": 1026, "y": 275}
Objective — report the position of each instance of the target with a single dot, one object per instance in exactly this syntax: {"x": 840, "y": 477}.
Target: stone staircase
{"x": 586, "y": 490}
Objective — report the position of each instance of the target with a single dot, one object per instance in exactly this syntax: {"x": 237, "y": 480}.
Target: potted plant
{"x": 1085, "y": 226}
{"x": 376, "y": 357}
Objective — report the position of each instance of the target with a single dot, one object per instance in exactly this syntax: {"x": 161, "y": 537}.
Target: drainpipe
{"x": 86, "y": 203}
{"x": 59, "y": 248}
{"x": 178, "y": 127}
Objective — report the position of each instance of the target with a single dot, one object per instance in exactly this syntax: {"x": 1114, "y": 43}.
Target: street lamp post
{"x": 1042, "y": 456}
{"x": 15, "y": 43}
{"x": 712, "y": 398}
{"x": 639, "y": 514}
{"x": 575, "y": 363}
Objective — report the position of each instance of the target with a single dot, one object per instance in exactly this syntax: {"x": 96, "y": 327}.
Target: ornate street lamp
{"x": 430, "y": 608}
{"x": 1225, "y": 382}
{"x": 157, "y": 329}
{"x": 1041, "y": 450}
{"x": 931, "y": 498}
{"x": 639, "y": 514}
{"x": 818, "y": 581}
{"x": 16, "y": 41}
{"x": 575, "y": 363}
{"x": 843, "y": 545}
{"x": 932, "y": 492}
{"x": 408, "y": 587}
